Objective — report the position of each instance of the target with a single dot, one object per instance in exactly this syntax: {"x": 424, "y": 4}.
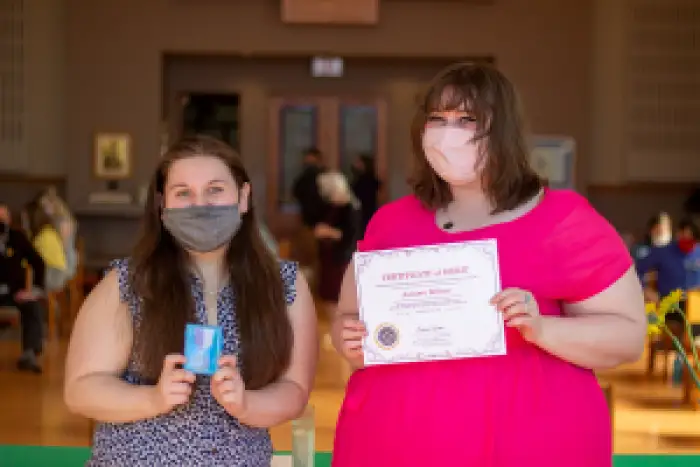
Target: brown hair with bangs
{"x": 159, "y": 274}
{"x": 485, "y": 92}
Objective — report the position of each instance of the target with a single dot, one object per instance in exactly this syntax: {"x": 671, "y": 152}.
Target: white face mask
{"x": 663, "y": 239}
{"x": 452, "y": 153}
{"x": 665, "y": 235}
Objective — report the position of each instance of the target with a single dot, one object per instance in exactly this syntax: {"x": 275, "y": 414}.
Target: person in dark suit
{"x": 366, "y": 186}
{"x": 306, "y": 189}
{"x": 312, "y": 209}
{"x": 21, "y": 280}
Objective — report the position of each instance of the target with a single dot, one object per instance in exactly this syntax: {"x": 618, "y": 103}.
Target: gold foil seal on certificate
{"x": 386, "y": 336}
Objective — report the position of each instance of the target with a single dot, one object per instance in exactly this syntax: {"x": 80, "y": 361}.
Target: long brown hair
{"x": 507, "y": 177}
{"x": 159, "y": 274}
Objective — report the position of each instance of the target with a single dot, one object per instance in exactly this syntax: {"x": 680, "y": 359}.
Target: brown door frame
{"x": 380, "y": 152}
{"x": 328, "y": 142}
{"x": 284, "y": 224}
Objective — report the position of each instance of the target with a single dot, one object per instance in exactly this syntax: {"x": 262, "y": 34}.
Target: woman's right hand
{"x": 174, "y": 385}
{"x": 352, "y": 331}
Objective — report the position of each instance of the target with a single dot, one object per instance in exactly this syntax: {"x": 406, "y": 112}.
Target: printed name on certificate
{"x": 430, "y": 302}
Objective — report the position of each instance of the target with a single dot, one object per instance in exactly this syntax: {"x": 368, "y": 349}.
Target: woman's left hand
{"x": 520, "y": 311}
{"x": 227, "y": 386}
{"x": 24, "y": 295}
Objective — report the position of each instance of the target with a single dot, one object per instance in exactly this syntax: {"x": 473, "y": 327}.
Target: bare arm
{"x": 324, "y": 231}
{"x": 347, "y": 332}
{"x": 98, "y": 353}
{"x": 286, "y": 398}
{"x": 603, "y": 331}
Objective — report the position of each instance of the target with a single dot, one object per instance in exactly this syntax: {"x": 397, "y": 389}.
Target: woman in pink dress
{"x": 571, "y": 301}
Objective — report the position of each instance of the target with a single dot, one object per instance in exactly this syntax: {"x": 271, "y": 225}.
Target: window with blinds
{"x": 663, "y": 90}
{"x": 11, "y": 84}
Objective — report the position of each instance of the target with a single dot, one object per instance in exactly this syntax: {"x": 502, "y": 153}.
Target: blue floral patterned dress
{"x": 201, "y": 433}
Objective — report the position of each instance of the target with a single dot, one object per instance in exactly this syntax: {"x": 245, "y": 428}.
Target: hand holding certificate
{"x": 430, "y": 302}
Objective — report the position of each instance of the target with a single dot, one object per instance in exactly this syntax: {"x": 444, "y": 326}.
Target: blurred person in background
{"x": 21, "y": 283}
{"x": 306, "y": 190}
{"x": 49, "y": 244}
{"x": 65, "y": 224}
{"x": 337, "y": 233}
{"x": 687, "y": 235}
{"x": 312, "y": 208}
{"x": 661, "y": 254}
{"x": 366, "y": 185}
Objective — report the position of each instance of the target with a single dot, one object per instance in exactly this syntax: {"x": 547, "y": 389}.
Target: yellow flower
{"x": 650, "y": 307}
{"x": 670, "y": 302}
{"x": 677, "y": 295}
{"x": 653, "y": 329}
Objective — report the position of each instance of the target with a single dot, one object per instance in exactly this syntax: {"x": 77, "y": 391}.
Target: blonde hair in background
{"x": 334, "y": 188}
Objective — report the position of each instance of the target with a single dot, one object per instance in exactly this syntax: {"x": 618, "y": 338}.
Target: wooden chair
{"x": 66, "y": 303}
{"x": 62, "y": 306}
{"x": 662, "y": 345}
{"x": 656, "y": 345}
{"x": 691, "y": 393}
{"x": 56, "y": 309}
{"x": 693, "y": 307}
{"x": 76, "y": 286}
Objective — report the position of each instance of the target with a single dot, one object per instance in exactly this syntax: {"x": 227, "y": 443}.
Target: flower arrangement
{"x": 656, "y": 318}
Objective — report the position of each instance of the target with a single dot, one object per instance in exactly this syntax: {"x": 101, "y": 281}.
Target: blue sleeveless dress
{"x": 200, "y": 433}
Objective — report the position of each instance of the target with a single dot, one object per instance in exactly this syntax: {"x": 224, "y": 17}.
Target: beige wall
{"x": 46, "y": 87}
{"x": 397, "y": 82}
{"x": 39, "y": 95}
{"x": 115, "y": 51}
{"x": 605, "y": 164}
{"x": 566, "y": 57}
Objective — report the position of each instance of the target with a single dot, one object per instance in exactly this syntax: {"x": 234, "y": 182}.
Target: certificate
{"x": 430, "y": 302}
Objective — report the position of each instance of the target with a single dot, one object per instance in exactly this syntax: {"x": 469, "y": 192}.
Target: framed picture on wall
{"x": 554, "y": 158}
{"x": 112, "y": 156}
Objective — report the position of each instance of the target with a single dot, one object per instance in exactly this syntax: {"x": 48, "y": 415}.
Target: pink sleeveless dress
{"x": 527, "y": 408}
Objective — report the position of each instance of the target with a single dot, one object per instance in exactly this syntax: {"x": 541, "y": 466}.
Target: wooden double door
{"x": 341, "y": 128}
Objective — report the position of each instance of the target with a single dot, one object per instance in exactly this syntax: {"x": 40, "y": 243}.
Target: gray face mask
{"x": 202, "y": 228}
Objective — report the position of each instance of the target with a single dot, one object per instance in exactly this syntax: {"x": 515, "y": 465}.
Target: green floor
{"x": 42, "y": 456}
{"x": 36, "y": 456}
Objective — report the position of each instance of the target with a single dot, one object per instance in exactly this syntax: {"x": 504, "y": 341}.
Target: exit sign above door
{"x": 327, "y": 67}
{"x": 338, "y": 12}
